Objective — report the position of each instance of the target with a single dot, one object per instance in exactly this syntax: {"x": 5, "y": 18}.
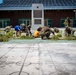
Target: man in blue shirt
{"x": 18, "y": 30}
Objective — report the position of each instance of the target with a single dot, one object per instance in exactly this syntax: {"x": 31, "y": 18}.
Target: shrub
{"x": 59, "y": 35}
{"x": 9, "y": 34}
{"x": 26, "y": 37}
{"x": 3, "y": 38}
{"x": 70, "y": 38}
{"x": 6, "y": 37}
{"x": 55, "y": 37}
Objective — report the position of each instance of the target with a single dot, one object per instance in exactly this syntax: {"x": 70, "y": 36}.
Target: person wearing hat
{"x": 8, "y": 29}
{"x": 23, "y": 27}
{"x": 68, "y": 22}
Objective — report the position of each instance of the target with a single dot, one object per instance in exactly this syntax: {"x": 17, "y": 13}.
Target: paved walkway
{"x": 38, "y": 58}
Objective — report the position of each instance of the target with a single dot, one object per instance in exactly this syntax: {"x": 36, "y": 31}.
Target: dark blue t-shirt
{"x": 18, "y": 28}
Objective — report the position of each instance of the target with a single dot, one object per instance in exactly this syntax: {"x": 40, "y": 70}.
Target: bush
{"x": 55, "y": 37}
{"x": 6, "y": 37}
{"x": 26, "y": 37}
{"x": 9, "y": 34}
{"x": 3, "y": 38}
{"x": 70, "y": 38}
{"x": 59, "y": 35}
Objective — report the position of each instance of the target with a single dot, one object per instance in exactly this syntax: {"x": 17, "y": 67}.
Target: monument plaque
{"x": 37, "y": 16}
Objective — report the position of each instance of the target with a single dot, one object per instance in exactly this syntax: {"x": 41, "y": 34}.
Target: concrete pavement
{"x": 38, "y": 58}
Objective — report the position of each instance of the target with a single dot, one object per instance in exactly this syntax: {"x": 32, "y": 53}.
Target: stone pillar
{"x": 37, "y": 16}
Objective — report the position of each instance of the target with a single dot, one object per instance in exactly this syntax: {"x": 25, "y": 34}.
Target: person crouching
{"x": 18, "y": 30}
{"x": 37, "y": 32}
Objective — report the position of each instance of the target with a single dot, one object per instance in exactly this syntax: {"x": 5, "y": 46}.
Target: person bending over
{"x": 18, "y": 30}
{"x": 37, "y": 32}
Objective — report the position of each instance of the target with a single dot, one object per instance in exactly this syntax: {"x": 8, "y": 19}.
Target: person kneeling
{"x": 45, "y": 32}
{"x": 37, "y": 32}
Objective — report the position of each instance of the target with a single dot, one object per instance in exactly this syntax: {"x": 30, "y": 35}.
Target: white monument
{"x": 37, "y": 16}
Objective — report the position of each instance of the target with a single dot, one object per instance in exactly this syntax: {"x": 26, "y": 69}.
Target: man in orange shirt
{"x": 37, "y": 32}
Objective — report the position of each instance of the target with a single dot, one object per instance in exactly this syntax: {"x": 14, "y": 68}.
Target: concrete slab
{"x": 38, "y": 58}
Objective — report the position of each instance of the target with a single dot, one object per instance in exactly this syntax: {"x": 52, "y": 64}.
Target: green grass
{"x": 3, "y": 38}
{"x": 59, "y": 34}
{"x": 26, "y": 37}
{"x": 69, "y": 38}
{"x": 8, "y": 36}
{"x": 54, "y": 37}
